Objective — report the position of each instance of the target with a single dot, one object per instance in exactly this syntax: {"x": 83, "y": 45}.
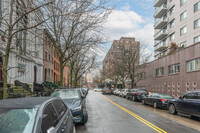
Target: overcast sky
{"x": 131, "y": 18}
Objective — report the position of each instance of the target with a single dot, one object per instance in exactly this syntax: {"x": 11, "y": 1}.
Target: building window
{"x": 197, "y": 39}
{"x": 52, "y": 73}
{"x": 193, "y": 65}
{"x": 49, "y": 58}
{"x": 173, "y": 69}
{"x": 49, "y": 72}
{"x": 183, "y": 44}
{"x": 183, "y": 15}
{"x": 52, "y": 59}
{"x": 172, "y": 23}
{"x": 182, "y": 2}
{"x": 183, "y": 30}
{"x": 45, "y": 55}
{"x": 172, "y": 37}
{"x": 160, "y": 72}
{"x": 196, "y": 23}
{"x": 197, "y": 7}
{"x": 171, "y": 10}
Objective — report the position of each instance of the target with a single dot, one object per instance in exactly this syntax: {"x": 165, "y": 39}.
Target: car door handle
{"x": 63, "y": 129}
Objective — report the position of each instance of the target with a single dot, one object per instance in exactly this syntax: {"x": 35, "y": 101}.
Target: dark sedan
{"x": 157, "y": 100}
{"x": 75, "y": 102}
{"x": 188, "y": 104}
{"x": 35, "y": 115}
{"x": 106, "y": 91}
{"x": 136, "y": 94}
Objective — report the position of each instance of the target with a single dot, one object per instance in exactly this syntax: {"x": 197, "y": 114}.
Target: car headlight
{"x": 77, "y": 108}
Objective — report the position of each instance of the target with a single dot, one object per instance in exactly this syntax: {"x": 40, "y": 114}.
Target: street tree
{"x": 17, "y": 17}
{"x": 75, "y": 24}
{"x": 133, "y": 59}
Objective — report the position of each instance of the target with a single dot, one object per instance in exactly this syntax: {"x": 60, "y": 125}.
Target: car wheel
{"x": 172, "y": 109}
{"x": 143, "y": 102}
{"x": 133, "y": 98}
{"x": 85, "y": 119}
{"x": 155, "y": 105}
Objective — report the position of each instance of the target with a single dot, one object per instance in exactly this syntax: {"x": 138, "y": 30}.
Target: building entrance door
{"x": 35, "y": 74}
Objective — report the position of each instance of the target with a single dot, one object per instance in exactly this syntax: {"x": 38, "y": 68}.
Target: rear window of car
{"x": 166, "y": 96}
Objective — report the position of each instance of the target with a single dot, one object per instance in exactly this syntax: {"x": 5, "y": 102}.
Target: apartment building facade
{"x": 115, "y": 52}
{"x": 174, "y": 74}
{"x": 176, "y": 21}
{"x": 26, "y": 54}
{"x": 48, "y": 56}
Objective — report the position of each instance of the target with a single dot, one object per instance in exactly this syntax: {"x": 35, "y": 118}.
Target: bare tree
{"x": 75, "y": 24}
{"x": 133, "y": 58}
{"x": 17, "y": 18}
{"x": 82, "y": 62}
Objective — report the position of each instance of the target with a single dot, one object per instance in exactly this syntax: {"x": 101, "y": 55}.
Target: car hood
{"x": 72, "y": 103}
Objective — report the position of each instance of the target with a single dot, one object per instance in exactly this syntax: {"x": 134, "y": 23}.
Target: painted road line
{"x": 159, "y": 130}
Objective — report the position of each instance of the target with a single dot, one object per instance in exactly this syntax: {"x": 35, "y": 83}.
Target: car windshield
{"x": 106, "y": 89}
{"x": 17, "y": 120}
{"x": 166, "y": 96}
{"x": 141, "y": 91}
{"x": 69, "y": 94}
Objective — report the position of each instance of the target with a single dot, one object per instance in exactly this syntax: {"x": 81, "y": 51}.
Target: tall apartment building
{"x": 176, "y": 21}
{"x": 115, "y": 52}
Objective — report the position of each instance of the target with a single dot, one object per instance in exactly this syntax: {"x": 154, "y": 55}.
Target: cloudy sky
{"x": 131, "y": 18}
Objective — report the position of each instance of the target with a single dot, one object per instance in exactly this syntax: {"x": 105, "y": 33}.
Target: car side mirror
{"x": 181, "y": 97}
{"x": 82, "y": 96}
{"x": 51, "y": 130}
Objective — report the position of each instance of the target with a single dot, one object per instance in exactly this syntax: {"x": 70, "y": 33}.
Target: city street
{"x": 113, "y": 114}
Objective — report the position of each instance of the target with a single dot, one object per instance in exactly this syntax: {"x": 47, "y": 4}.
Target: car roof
{"x": 23, "y": 103}
{"x": 194, "y": 91}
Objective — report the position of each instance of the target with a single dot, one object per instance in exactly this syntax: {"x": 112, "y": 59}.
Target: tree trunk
{"x": 71, "y": 76}
{"x": 5, "y": 69}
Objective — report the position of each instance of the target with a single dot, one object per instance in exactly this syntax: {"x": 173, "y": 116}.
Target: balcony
{"x": 160, "y": 23}
{"x": 161, "y": 34}
{"x": 161, "y": 46}
{"x": 158, "y": 3}
{"x": 160, "y": 11}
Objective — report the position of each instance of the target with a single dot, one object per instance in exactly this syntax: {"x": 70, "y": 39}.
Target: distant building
{"x": 115, "y": 52}
{"x": 176, "y": 21}
{"x": 174, "y": 74}
{"x": 65, "y": 76}
{"x": 48, "y": 56}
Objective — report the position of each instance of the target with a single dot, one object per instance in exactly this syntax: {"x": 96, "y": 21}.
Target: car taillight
{"x": 110, "y": 90}
{"x": 163, "y": 100}
{"x": 137, "y": 93}
{"x": 104, "y": 90}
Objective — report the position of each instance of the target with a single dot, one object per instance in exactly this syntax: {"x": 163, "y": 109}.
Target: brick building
{"x": 56, "y": 68}
{"x": 115, "y": 53}
{"x": 48, "y": 56}
{"x": 175, "y": 73}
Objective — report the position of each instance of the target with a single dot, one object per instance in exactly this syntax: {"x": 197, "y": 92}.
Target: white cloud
{"x": 129, "y": 24}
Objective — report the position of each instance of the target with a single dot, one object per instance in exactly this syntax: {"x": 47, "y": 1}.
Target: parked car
{"x": 137, "y": 94}
{"x": 188, "y": 104}
{"x": 121, "y": 92}
{"x": 75, "y": 102}
{"x": 35, "y": 115}
{"x": 124, "y": 92}
{"x": 116, "y": 91}
{"x": 106, "y": 91}
{"x": 98, "y": 90}
{"x": 157, "y": 100}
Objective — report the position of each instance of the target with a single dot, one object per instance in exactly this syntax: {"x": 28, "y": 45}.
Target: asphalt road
{"x": 112, "y": 114}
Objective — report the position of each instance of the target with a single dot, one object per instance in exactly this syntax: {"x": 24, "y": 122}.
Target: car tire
{"x": 143, "y": 102}
{"x": 172, "y": 109}
{"x": 155, "y": 105}
{"x": 85, "y": 119}
{"x": 133, "y": 98}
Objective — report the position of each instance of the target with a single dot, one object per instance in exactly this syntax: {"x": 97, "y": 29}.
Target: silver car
{"x": 35, "y": 115}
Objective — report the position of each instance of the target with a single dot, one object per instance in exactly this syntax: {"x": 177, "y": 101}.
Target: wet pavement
{"x": 113, "y": 114}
